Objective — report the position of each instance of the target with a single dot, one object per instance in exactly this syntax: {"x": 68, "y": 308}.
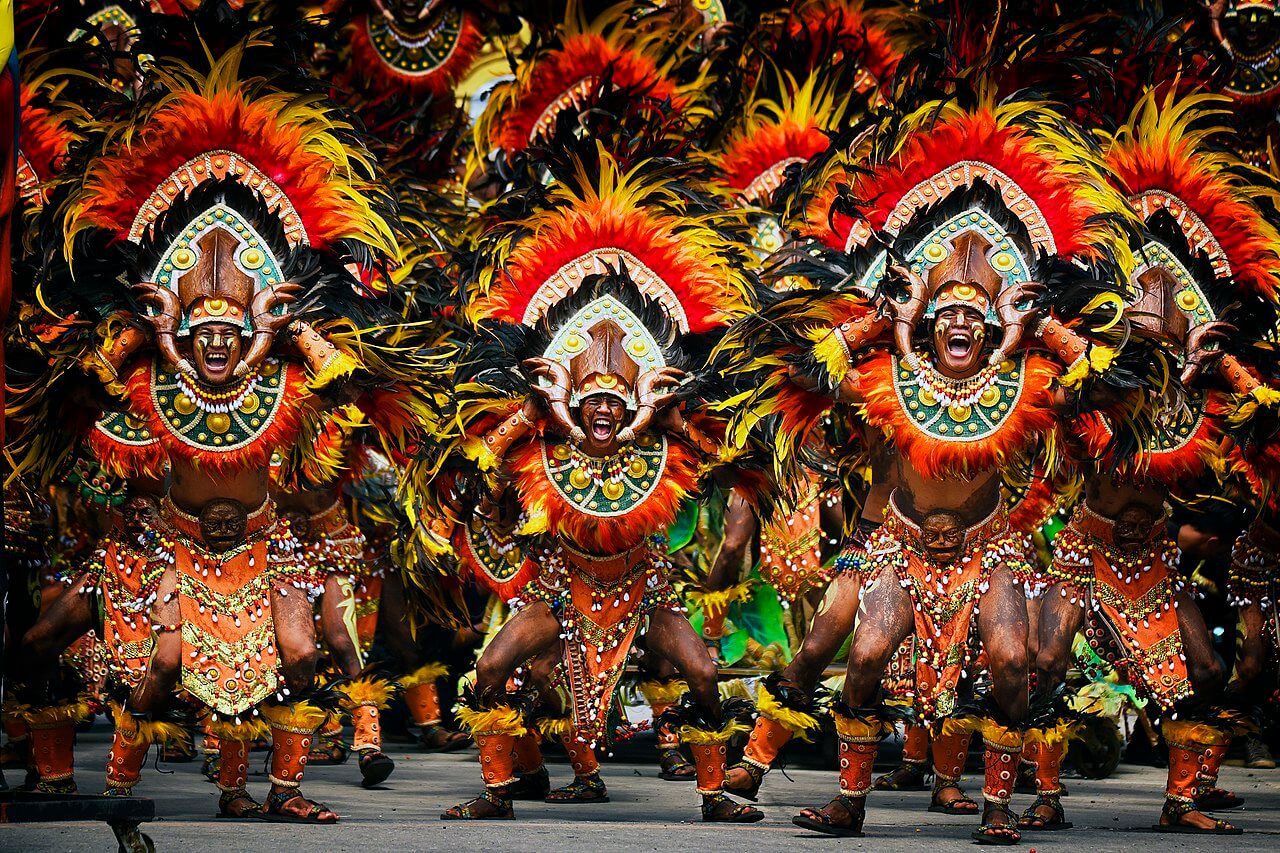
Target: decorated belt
{"x": 188, "y": 525}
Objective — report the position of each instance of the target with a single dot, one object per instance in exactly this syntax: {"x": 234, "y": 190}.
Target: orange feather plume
{"x": 671, "y": 255}
{"x": 43, "y": 140}
{"x": 1167, "y": 147}
{"x": 294, "y": 145}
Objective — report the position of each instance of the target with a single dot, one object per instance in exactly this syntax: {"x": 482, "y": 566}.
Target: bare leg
{"x": 166, "y": 662}
{"x": 336, "y": 606}
{"x": 887, "y": 619}
{"x": 530, "y": 632}
{"x": 394, "y": 623}
{"x": 295, "y": 637}
{"x": 1204, "y": 667}
{"x": 1060, "y": 621}
{"x": 1002, "y": 627}
{"x": 672, "y": 638}
{"x": 831, "y": 626}
{"x": 67, "y": 619}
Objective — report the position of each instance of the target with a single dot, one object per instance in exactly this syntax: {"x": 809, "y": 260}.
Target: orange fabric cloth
{"x": 1001, "y": 773}
{"x": 1184, "y": 772}
{"x": 944, "y": 597}
{"x": 125, "y": 760}
{"x": 915, "y": 746}
{"x": 288, "y": 756}
{"x": 527, "y": 751}
{"x": 128, "y": 580}
{"x": 229, "y": 653}
{"x": 368, "y": 728}
{"x": 581, "y": 757}
{"x": 233, "y": 764}
{"x": 949, "y": 754}
{"x": 768, "y": 737}
{"x": 791, "y": 545}
{"x": 1132, "y": 594}
{"x": 856, "y": 762}
{"x": 1047, "y": 759}
{"x": 601, "y": 602}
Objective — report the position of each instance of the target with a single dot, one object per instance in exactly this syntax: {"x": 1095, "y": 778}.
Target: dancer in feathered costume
{"x": 610, "y": 290}
{"x": 1249, "y": 31}
{"x": 223, "y": 200}
{"x": 1114, "y": 567}
{"x": 969, "y": 216}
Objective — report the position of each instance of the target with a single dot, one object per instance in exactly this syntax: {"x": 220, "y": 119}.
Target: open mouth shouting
{"x": 216, "y": 347}
{"x": 958, "y": 333}
{"x": 602, "y": 428}
{"x": 601, "y": 418}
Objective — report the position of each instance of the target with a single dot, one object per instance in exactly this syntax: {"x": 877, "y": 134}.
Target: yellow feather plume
{"x": 853, "y": 728}
{"x": 555, "y": 728}
{"x": 302, "y": 717}
{"x": 367, "y": 691}
{"x": 718, "y": 601}
{"x": 796, "y": 722}
{"x": 249, "y": 730}
{"x": 663, "y": 692}
{"x": 696, "y": 736}
{"x": 425, "y": 674}
{"x": 52, "y": 716}
{"x": 502, "y": 720}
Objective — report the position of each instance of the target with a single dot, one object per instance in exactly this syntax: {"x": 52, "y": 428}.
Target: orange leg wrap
{"x": 1184, "y": 772}
{"x": 710, "y": 759}
{"x": 583, "y": 758}
{"x": 368, "y": 730}
{"x": 1211, "y": 758}
{"x": 768, "y": 737}
{"x": 527, "y": 751}
{"x": 666, "y": 737}
{"x": 125, "y": 760}
{"x": 856, "y": 760}
{"x": 332, "y": 727}
{"x": 949, "y": 754}
{"x": 497, "y": 759}
{"x": 233, "y": 770}
{"x": 15, "y": 730}
{"x": 288, "y": 757}
{"x": 915, "y": 747}
{"x": 424, "y": 704}
{"x": 53, "y": 751}
{"x": 1048, "y": 761}
{"x": 1002, "y": 773}
{"x": 713, "y": 624}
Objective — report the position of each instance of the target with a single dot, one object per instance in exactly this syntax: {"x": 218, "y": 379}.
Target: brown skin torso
{"x": 192, "y": 487}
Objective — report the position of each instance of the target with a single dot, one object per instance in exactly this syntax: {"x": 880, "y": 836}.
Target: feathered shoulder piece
{"x": 564, "y": 72}
{"x": 827, "y": 33}
{"x": 598, "y": 219}
{"x": 395, "y": 56}
{"x": 1170, "y": 158}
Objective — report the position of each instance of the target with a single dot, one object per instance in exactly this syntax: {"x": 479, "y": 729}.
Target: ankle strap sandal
{"x": 1176, "y": 809}
{"x": 717, "y": 808}
{"x": 675, "y": 767}
{"x": 583, "y": 789}
{"x": 468, "y": 810}
{"x": 1036, "y": 822}
{"x": 998, "y": 834}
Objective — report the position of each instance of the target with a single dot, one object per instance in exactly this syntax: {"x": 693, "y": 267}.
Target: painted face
{"x": 223, "y": 523}
{"x": 216, "y": 347}
{"x": 600, "y": 417}
{"x": 1251, "y": 27}
{"x": 1132, "y": 528}
{"x": 942, "y": 537}
{"x": 410, "y": 10}
{"x": 958, "y": 337}
{"x": 138, "y": 513}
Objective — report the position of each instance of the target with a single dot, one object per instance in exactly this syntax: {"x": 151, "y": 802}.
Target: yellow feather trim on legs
{"x": 302, "y": 718}
{"x": 663, "y": 692}
{"x": 796, "y": 722}
{"x": 958, "y": 726}
{"x": 1000, "y": 737}
{"x": 831, "y": 352}
{"x": 1195, "y": 734}
{"x": 366, "y": 691}
{"x": 1055, "y": 735}
{"x": 695, "y": 736}
{"x": 502, "y": 720}
{"x": 555, "y": 728}
{"x": 52, "y": 716}
{"x": 134, "y": 730}
{"x": 860, "y": 730}
{"x": 247, "y": 731}
{"x": 339, "y": 366}
{"x": 425, "y": 674}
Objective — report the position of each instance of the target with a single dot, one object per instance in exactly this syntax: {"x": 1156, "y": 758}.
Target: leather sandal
{"x": 251, "y": 812}
{"x": 997, "y": 834}
{"x": 907, "y": 776}
{"x": 583, "y": 789}
{"x": 954, "y": 807}
{"x": 1175, "y": 810}
{"x": 530, "y": 786}
{"x": 1215, "y": 799}
{"x": 316, "y": 813}
{"x": 756, "y": 774}
{"x": 717, "y": 808}
{"x": 467, "y": 810}
{"x": 1036, "y": 822}
{"x": 675, "y": 767}
{"x": 823, "y": 822}
{"x": 375, "y": 767}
